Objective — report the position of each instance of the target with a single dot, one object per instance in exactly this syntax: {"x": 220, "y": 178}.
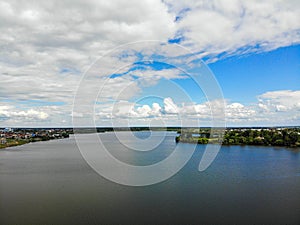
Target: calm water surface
{"x": 50, "y": 183}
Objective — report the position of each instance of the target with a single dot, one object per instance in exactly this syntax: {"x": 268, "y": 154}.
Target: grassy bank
{"x": 14, "y": 142}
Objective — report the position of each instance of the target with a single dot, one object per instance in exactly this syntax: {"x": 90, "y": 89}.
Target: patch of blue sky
{"x": 156, "y": 61}
{"x": 134, "y": 67}
{"x": 187, "y": 87}
{"x": 143, "y": 66}
{"x": 181, "y": 14}
{"x": 241, "y": 77}
{"x": 244, "y": 77}
{"x": 176, "y": 40}
{"x": 148, "y": 99}
{"x": 180, "y": 90}
{"x": 192, "y": 89}
{"x": 154, "y": 65}
{"x": 115, "y": 75}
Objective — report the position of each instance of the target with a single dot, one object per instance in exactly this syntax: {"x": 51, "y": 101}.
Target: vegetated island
{"x": 10, "y": 137}
{"x": 286, "y": 137}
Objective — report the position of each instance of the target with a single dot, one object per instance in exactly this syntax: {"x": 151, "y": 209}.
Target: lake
{"x": 50, "y": 183}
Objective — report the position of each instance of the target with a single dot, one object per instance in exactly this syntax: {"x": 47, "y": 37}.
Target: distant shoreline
{"x": 11, "y": 137}
{"x": 281, "y": 137}
{"x": 20, "y": 143}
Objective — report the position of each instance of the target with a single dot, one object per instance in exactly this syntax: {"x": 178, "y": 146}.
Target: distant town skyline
{"x": 252, "y": 47}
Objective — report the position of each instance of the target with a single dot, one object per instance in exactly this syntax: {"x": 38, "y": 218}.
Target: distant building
{"x": 8, "y": 130}
{"x": 3, "y": 141}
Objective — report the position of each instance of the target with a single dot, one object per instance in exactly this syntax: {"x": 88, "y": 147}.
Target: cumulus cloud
{"x": 237, "y": 112}
{"x": 235, "y": 26}
{"x": 11, "y": 113}
{"x": 262, "y": 112}
{"x": 284, "y": 100}
{"x": 170, "y": 107}
{"x": 45, "y": 46}
{"x": 272, "y": 108}
{"x": 20, "y": 115}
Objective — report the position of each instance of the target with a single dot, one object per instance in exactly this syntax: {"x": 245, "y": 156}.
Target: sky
{"x": 66, "y": 62}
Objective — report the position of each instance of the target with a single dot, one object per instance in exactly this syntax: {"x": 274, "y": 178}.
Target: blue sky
{"x": 242, "y": 78}
{"x": 259, "y": 89}
{"x": 48, "y": 51}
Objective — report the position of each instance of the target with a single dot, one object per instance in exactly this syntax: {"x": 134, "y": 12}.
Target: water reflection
{"x": 50, "y": 183}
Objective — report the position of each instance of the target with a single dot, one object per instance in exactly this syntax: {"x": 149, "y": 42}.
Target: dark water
{"x": 50, "y": 183}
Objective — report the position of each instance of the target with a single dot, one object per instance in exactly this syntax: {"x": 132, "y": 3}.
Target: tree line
{"x": 289, "y": 137}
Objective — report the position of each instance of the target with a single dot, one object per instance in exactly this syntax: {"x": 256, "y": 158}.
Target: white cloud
{"x": 150, "y": 77}
{"x": 45, "y": 46}
{"x": 9, "y": 112}
{"x": 170, "y": 107}
{"x": 263, "y": 112}
{"x": 272, "y": 108}
{"x": 284, "y": 100}
{"x": 40, "y": 39}
{"x": 235, "y": 26}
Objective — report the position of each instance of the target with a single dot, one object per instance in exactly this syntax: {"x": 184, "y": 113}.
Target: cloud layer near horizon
{"x": 272, "y": 108}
